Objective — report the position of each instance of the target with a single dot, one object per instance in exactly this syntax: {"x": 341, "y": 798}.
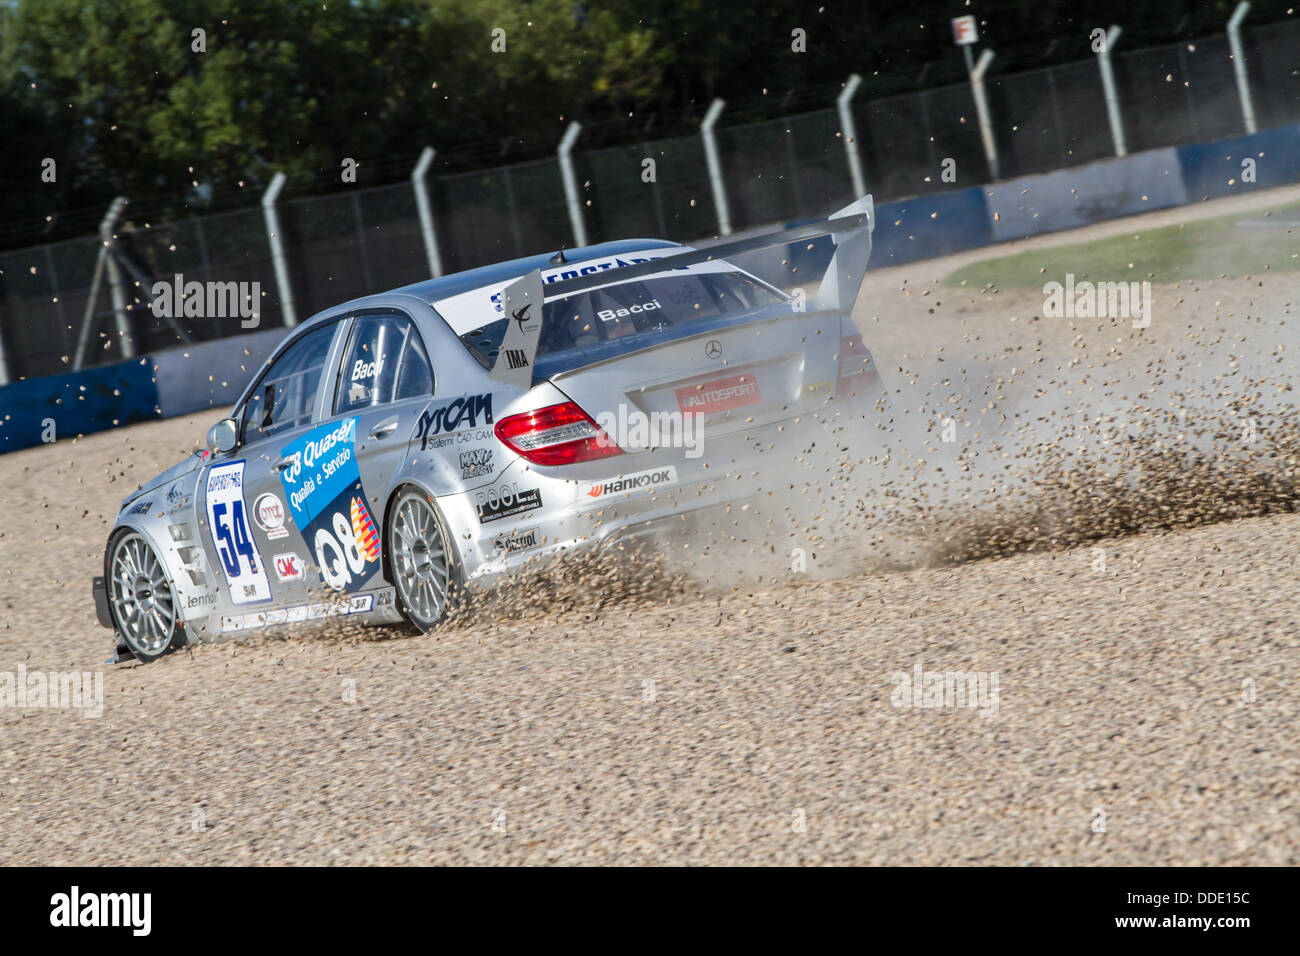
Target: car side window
{"x": 384, "y": 362}
{"x": 286, "y": 394}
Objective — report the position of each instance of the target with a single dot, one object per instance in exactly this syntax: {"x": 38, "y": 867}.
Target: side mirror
{"x": 223, "y": 436}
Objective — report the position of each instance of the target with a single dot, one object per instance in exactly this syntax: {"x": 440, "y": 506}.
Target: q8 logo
{"x": 345, "y": 548}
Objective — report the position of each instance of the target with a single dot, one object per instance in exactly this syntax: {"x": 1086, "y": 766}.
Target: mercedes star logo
{"x": 713, "y": 349}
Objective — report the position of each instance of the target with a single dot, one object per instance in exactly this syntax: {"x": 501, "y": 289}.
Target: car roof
{"x": 444, "y": 287}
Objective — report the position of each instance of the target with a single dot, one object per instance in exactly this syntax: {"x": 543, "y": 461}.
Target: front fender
{"x": 174, "y": 537}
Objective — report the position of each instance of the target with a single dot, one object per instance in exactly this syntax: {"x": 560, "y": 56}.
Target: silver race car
{"x": 405, "y": 445}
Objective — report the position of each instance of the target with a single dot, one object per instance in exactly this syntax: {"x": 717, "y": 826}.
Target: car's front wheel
{"x": 140, "y": 597}
{"x": 421, "y": 559}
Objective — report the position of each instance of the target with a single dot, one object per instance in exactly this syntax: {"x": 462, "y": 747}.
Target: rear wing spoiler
{"x": 850, "y": 230}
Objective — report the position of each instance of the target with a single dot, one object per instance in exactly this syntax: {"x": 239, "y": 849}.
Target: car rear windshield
{"x": 631, "y": 315}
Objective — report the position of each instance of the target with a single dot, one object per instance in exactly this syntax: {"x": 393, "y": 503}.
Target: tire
{"x": 141, "y": 597}
{"x": 421, "y": 559}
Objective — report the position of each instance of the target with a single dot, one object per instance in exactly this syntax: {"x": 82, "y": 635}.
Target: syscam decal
{"x": 464, "y": 412}
{"x": 328, "y": 503}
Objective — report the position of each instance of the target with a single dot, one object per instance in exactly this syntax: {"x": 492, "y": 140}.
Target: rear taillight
{"x": 556, "y": 435}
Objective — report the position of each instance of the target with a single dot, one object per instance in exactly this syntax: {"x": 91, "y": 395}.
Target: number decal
{"x": 228, "y": 522}
{"x": 243, "y": 543}
{"x": 225, "y": 544}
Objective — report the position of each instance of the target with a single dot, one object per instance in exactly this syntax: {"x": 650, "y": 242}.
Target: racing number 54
{"x": 233, "y": 539}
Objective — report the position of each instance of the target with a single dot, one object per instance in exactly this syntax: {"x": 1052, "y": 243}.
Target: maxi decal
{"x": 323, "y": 486}
{"x": 228, "y": 524}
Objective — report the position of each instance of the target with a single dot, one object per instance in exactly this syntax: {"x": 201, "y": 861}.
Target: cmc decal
{"x": 288, "y": 567}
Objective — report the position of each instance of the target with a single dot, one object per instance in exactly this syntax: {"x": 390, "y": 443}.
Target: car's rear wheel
{"x": 141, "y": 597}
{"x": 421, "y": 559}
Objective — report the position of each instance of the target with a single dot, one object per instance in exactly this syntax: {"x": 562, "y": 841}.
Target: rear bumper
{"x": 99, "y": 589}
{"x": 701, "y": 503}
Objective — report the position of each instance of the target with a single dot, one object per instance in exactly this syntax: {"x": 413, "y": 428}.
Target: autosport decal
{"x": 654, "y": 478}
{"x": 719, "y": 395}
{"x": 506, "y": 501}
{"x": 464, "y": 412}
{"x": 329, "y": 505}
{"x": 241, "y": 563}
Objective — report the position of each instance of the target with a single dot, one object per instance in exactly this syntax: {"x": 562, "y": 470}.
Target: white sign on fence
{"x": 964, "y": 31}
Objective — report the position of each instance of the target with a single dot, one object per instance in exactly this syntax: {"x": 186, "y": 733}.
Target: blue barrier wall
{"x": 1213, "y": 170}
{"x": 78, "y": 402}
{"x": 930, "y": 226}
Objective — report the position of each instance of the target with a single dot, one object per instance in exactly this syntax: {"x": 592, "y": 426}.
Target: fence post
{"x": 420, "y": 183}
{"x": 1108, "y": 90}
{"x": 982, "y": 111}
{"x": 278, "y": 259}
{"x": 91, "y": 297}
{"x": 715, "y": 167}
{"x": 1239, "y": 64}
{"x": 565, "y": 152}
{"x": 125, "y": 338}
{"x": 850, "y": 134}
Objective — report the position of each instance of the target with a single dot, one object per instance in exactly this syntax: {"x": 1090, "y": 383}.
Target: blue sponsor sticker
{"x": 323, "y": 486}
{"x": 323, "y": 465}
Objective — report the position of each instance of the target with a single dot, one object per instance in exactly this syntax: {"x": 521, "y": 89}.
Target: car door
{"x": 249, "y": 539}
{"x": 384, "y": 383}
